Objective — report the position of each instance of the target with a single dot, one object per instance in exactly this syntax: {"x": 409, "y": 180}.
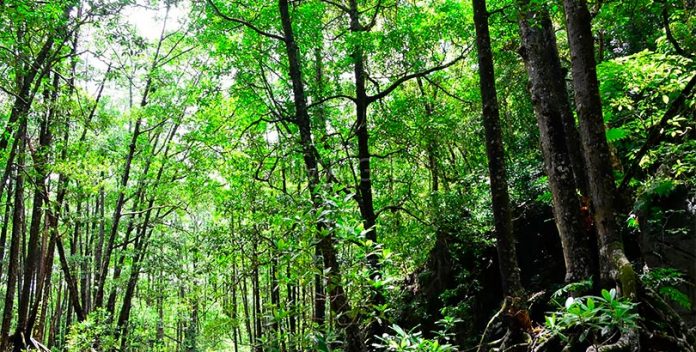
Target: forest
{"x": 348, "y": 175}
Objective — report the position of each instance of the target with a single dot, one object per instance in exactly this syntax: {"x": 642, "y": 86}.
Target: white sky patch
{"x": 148, "y": 21}
{"x": 271, "y": 136}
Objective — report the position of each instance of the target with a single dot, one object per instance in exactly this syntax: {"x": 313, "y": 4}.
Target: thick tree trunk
{"x": 614, "y": 264}
{"x": 502, "y": 215}
{"x": 549, "y": 99}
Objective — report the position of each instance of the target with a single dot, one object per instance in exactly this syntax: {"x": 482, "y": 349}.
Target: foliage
{"x": 596, "y": 319}
{"x": 84, "y": 335}
{"x": 412, "y": 340}
{"x": 168, "y": 127}
{"x": 669, "y": 282}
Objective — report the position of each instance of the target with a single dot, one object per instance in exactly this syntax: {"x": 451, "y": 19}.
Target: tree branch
{"x": 408, "y": 77}
{"x": 324, "y": 100}
{"x": 340, "y": 6}
{"x": 656, "y": 131}
{"x": 670, "y": 36}
{"x": 395, "y": 208}
{"x": 244, "y": 23}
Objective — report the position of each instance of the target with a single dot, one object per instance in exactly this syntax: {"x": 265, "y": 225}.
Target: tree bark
{"x": 338, "y": 300}
{"x": 502, "y": 215}
{"x": 5, "y": 225}
{"x": 614, "y": 264}
{"x": 33, "y": 272}
{"x": 17, "y": 227}
{"x": 549, "y": 99}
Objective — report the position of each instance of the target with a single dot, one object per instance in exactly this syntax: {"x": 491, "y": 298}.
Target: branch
{"x": 500, "y": 10}
{"x": 670, "y": 37}
{"x": 656, "y": 131}
{"x": 403, "y": 79}
{"x": 340, "y": 6}
{"x": 395, "y": 208}
{"x": 244, "y": 23}
{"x": 373, "y": 20}
{"x": 324, "y": 100}
{"x": 447, "y": 93}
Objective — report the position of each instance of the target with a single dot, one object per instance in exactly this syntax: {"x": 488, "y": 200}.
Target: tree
{"x": 505, "y": 239}
{"x": 550, "y": 105}
{"x": 614, "y": 264}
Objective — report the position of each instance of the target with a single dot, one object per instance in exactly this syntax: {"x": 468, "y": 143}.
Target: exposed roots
{"x": 628, "y": 342}
{"x": 490, "y": 323}
{"x": 660, "y": 328}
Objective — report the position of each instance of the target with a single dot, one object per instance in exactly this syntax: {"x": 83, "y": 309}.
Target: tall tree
{"x": 550, "y": 102}
{"x": 338, "y": 300}
{"x": 602, "y": 187}
{"x": 502, "y": 215}
{"x": 15, "y": 239}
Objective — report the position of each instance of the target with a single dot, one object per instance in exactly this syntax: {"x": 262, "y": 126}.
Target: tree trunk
{"x": 319, "y": 303}
{"x": 338, "y": 300}
{"x": 549, "y": 99}
{"x": 256, "y": 292}
{"x": 5, "y": 223}
{"x": 33, "y": 272}
{"x": 17, "y": 227}
{"x": 614, "y": 264}
{"x": 100, "y": 279}
{"x": 505, "y": 239}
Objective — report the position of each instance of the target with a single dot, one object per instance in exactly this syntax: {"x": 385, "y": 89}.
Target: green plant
{"x": 413, "y": 341}
{"x": 666, "y": 281}
{"x": 93, "y": 331}
{"x": 594, "y": 317}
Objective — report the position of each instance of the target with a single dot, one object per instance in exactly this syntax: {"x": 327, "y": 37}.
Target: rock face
{"x": 464, "y": 274}
{"x": 667, "y": 237}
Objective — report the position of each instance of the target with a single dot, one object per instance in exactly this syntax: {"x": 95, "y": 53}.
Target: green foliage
{"x": 573, "y": 288}
{"x": 217, "y": 193}
{"x": 594, "y": 318}
{"x": 669, "y": 283}
{"x": 84, "y": 336}
{"x": 412, "y": 341}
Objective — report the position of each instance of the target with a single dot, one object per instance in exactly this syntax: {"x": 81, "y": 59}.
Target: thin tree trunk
{"x": 235, "y": 330}
{"x": 141, "y": 245}
{"x": 17, "y": 227}
{"x": 366, "y": 204}
{"x": 338, "y": 300}
{"x": 256, "y": 292}
{"x": 100, "y": 280}
{"x": 33, "y": 272}
{"x": 319, "y": 295}
{"x": 245, "y": 305}
{"x": 502, "y": 215}
{"x": 5, "y": 224}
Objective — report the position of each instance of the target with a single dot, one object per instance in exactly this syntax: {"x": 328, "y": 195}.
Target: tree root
{"x": 628, "y": 342}
{"x": 490, "y": 323}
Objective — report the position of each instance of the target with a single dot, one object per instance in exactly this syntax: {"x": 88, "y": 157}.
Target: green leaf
{"x": 616, "y": 134}
{"x": 607, "y": 296}
{"x": 590, "y": 303}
